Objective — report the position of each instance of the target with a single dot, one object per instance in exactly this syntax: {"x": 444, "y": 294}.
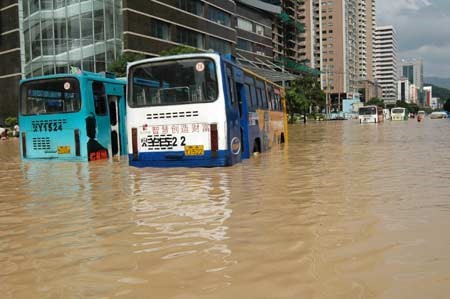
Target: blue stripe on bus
{"x": 178, "y": 159}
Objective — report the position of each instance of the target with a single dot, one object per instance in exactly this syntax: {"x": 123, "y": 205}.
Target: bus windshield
{"x": 367, "y": 110}
{"x": 398, "y": 110}
{"x": 173, "y": 82}
{"x": 50, "y": 96}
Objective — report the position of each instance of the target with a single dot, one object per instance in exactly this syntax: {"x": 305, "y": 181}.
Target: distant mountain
{"x": 437, "y": 81}
{"x": 440, "y": 92}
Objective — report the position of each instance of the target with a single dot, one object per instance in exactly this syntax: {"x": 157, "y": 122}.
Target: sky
{"x": 423, "y": 31}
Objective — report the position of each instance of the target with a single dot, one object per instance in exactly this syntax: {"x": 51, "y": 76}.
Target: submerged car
{"x": 438, "y": 115}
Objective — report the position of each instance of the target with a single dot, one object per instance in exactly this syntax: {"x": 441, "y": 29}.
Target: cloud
{"x": 436, "y": 59}
{"x": 388, "y": 9}
{"x": 423, "y": 30}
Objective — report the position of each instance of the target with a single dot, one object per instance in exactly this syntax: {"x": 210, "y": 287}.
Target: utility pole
{"x": 327, "y": 94}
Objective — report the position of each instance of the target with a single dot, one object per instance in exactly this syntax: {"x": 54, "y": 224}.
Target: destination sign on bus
{"x": 173, "y": 137}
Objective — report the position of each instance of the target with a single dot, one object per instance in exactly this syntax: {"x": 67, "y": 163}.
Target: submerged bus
{"x": 72, "y": 117}
{"x": 399, "y": 113}
{"x": 370, "y": 114}
{"x": 200, "y": 110}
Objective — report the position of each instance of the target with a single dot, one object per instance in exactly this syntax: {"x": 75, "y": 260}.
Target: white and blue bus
{"x": 370, "y": 114}
{"x": 399, "y": 113}
{"x": 77, "y": 117}
{"x": 200, "y": 110}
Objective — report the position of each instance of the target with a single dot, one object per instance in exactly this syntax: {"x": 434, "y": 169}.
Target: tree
{"x": 376, "y": 101}
{"x": 179, "y": 50}
{"x": 303, "y": 94}
{"x": 10, "y": 121}
{"x": 447, "y": 105}
{"x": 296, "y": 101}
{"x": 410, "y": 106}
{"x": 119, "y": 66}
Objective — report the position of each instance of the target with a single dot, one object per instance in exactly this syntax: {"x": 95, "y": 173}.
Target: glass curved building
{"x": 60, "y": 34}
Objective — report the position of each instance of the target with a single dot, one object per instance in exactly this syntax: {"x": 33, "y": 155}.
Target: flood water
{"x": 343, "y": 211}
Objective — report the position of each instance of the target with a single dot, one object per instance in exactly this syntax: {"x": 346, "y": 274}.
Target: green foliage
{"x": 447, "y": 105}
{"x": 303, "y": 94}
{"x": 376, "y": 101}
{"x": 179, "y": 50}
{"x": 440, "y": 92}
{"x": 119, "y": 66}
{"x": 10, "y": 121}
{"x": 414, "y": 108}
{"x": 411, "y": 107}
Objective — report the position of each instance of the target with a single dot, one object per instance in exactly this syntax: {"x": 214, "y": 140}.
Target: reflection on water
{"x": 344, "y": 211}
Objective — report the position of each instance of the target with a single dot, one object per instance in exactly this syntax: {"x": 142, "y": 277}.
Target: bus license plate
{"x": 64, "y": 149}
{"x": 194, "y": 150}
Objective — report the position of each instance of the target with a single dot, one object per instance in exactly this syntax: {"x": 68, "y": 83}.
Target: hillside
{"x": 441, "y": 82}
{"x": 439, "y": 92}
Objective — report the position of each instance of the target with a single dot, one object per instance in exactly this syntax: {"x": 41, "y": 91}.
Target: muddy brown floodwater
{"x": 343, "y": 211}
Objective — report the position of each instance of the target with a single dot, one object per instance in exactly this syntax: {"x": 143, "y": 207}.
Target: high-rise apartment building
{"x": 366, "y": 31}
{"x": 254, "y": 20}
{"x": 386, "y": 48}
{"x": 346, "y": 48}
{"x": 154, "y": 25}
{"x": 10, "y": 70}
{"x": 404, "y": 88}
{"x": 412, "y": 69}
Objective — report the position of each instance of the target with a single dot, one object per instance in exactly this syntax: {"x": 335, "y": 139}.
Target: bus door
{"x": 233, "y": 118}
{"x": 116, "y": 104}
{"x": 114, "y": 118}
{"x": 243, "y": 96}
{"x": 98, "y": 125}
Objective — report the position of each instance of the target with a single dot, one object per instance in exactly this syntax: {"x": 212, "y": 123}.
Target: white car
{"x": 438, "y": 115}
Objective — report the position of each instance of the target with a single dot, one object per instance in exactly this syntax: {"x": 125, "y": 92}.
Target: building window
{"x": 190, "y": 38}
{"x": 244, "y": 45}
{"x": 259, "y": 30}
{"x": 219, "y": 45}
{"x": 218, "y": 16}
{"x": 192, "y": 6}
{"x": 260, "y": 50}
{"x": 244, "y": 25}
{"x": 159, "y": 29}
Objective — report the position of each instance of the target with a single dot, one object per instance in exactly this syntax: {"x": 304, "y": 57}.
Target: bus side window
{"x": 248, "y": 96}
{"x": 113, "y": 110}
{"x": 252, "y": 100}
{"x": 265, "y": 100}
{"x": 231, "y": 86}
{"x": 260, "y": 97}
{"x": 99, "y": 98}
{"x": 271, "y": 99}
{"x": 254, "y": 97}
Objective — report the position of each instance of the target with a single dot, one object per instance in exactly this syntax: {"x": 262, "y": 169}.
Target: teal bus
{"x": 77, "y": 117}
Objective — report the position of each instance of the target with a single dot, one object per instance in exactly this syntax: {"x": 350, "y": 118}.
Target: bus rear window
{"x": 367, "y": 110}
{"x": 50, "y": 96}
{"x": 173, "y": 82}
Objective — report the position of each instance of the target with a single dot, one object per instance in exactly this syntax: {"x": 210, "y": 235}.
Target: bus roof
{"x": 104, "y": 76}
{"x": 214, "y": 55}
